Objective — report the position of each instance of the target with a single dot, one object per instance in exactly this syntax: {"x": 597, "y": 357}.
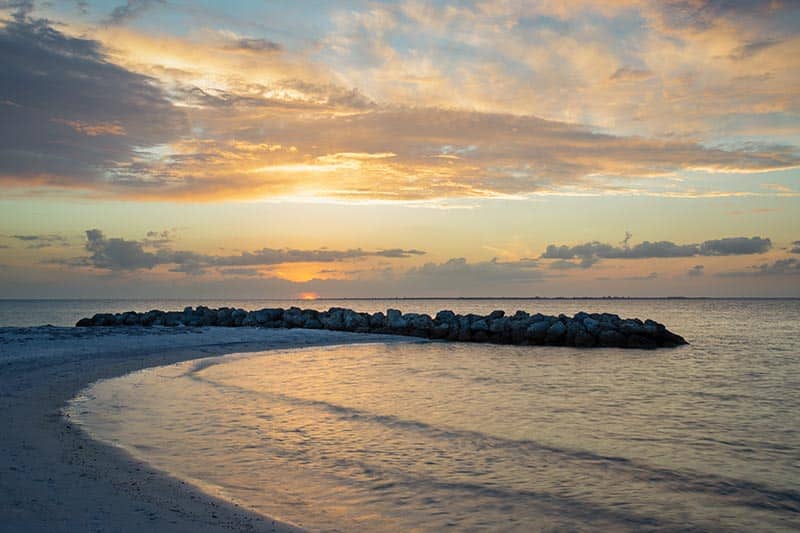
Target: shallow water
{"x": 431, "y": 436}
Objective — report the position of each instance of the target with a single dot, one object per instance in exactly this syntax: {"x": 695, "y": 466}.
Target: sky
{"x": 270, "y": 149}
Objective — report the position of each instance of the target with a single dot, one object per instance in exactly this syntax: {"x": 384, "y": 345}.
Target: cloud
{"x": 326, "y": 102}
{"x": 735, "y": 246}
{"x": 36, "y": 242}
{"x": 702, "y": 15}
{"x": 780, "y": 267}
{"x": 697, "y": 270}
{"x": 795, "y": 248}
{"x": 630, "y": 74}
{"x": 159, "y": 239}
{"x": 343, "y": 156}
{"x": 458, "y": 273}
{"x": 752, "y": 48}
{"x": 19, "y": 8}
{"x": 93, "y": 130}
{"x": 649, "y": 277}
{"x": 117, "y": 254}
{"x": 114, "y": 133}
{"x": 244, "y": 272}
{"x": 130, "y": 9}
{"x": 591, "y": 252}
{"x": 250, "y": 44}
{"x": 76, "y": 116}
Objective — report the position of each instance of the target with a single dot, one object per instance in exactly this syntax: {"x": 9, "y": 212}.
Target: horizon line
{"x": 408, "y": 298}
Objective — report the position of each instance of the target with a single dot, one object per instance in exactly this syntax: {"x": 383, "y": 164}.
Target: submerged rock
{"x": 583, "y": 330}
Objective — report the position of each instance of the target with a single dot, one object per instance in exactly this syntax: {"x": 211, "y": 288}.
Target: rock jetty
{"x": 584, "y": 330}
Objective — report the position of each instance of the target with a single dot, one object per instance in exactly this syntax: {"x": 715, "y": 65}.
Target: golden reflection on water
{"x": 429, "y": 436}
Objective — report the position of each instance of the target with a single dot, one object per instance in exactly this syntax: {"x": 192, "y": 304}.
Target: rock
{"x": 480, "y": 336}
{"x": 611, "y": 338}
{"x": 583, "y": 330}
{"x": 238, "y": 316}
{"x": 592, "y": 325}
{"x": 584, "y": 339}
{"x": 173, "y": 319}
{"x": 537, "y": 331}
{"x": 267, "y": 315}
{"x": 518, "y": 330}
{"x": 250, "y": 320}
{"x": 395, "y": 320}
{"x": 445, "y": 316}
{"x": 479, "y": 325}
{"x": 574, "y": 327}
{"x": 498, "y": 325}
{"x": 463, "y": 331}
{"x": 440, "y": 330}
{"x": 555, "y": 333}
{"x": 377, "y": 320}
{"x": 293, "y": 317}
{"x": 640, "y": 342}
{"x": 103, "y": 319}
{"x": 312, "y": 323}
{"x": 651, "y": 327}
{"x": 223, "y": 317}
{"x": 632, "y": 327}
{"x": 420, "y": 325}
{"x": 151, "y": 317}
{"x": 356, "y": 321}
{"x": 333, "y": 319}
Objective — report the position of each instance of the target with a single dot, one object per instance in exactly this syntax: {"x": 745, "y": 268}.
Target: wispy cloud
{"x": 36, "y": 242}
{"x": 130, "y": 9}
{"x": 780, "y": 267}
{"x": 696, "y": 271}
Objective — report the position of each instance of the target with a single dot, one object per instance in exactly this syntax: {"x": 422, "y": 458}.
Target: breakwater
{"x": 583, "y": 330}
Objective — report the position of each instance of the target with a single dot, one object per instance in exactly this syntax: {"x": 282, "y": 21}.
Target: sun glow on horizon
{"x": 308, "y": 296}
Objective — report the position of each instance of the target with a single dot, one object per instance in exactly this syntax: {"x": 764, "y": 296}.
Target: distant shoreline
{"x": 411, "y": 298}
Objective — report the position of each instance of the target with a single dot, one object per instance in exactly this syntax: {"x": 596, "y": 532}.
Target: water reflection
{"x": 429, "y": 436}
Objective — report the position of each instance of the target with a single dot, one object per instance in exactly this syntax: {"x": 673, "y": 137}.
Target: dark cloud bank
{"x": 118, "y": 254}
{"x": 591, "y": 252}
{"x": 68, "y": 115}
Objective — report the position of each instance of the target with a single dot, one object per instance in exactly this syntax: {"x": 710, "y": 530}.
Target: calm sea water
{"x": 428, "y": 436}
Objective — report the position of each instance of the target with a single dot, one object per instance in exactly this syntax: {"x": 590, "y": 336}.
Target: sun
{"x": 309, "y": 295}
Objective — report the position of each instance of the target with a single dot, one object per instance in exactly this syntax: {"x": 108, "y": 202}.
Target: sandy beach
{"x": 54, "y": 478}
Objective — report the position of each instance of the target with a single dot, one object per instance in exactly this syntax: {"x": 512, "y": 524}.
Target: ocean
{"x": 431, "y": 436}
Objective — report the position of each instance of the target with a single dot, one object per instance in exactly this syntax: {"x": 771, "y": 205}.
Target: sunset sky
{"x": 268, "y": 149}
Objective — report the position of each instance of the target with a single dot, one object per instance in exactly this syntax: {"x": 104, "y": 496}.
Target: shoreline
{"x": 56, "y": 478}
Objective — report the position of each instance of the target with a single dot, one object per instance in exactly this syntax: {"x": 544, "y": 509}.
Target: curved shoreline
{"x": 56, "y": 478}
